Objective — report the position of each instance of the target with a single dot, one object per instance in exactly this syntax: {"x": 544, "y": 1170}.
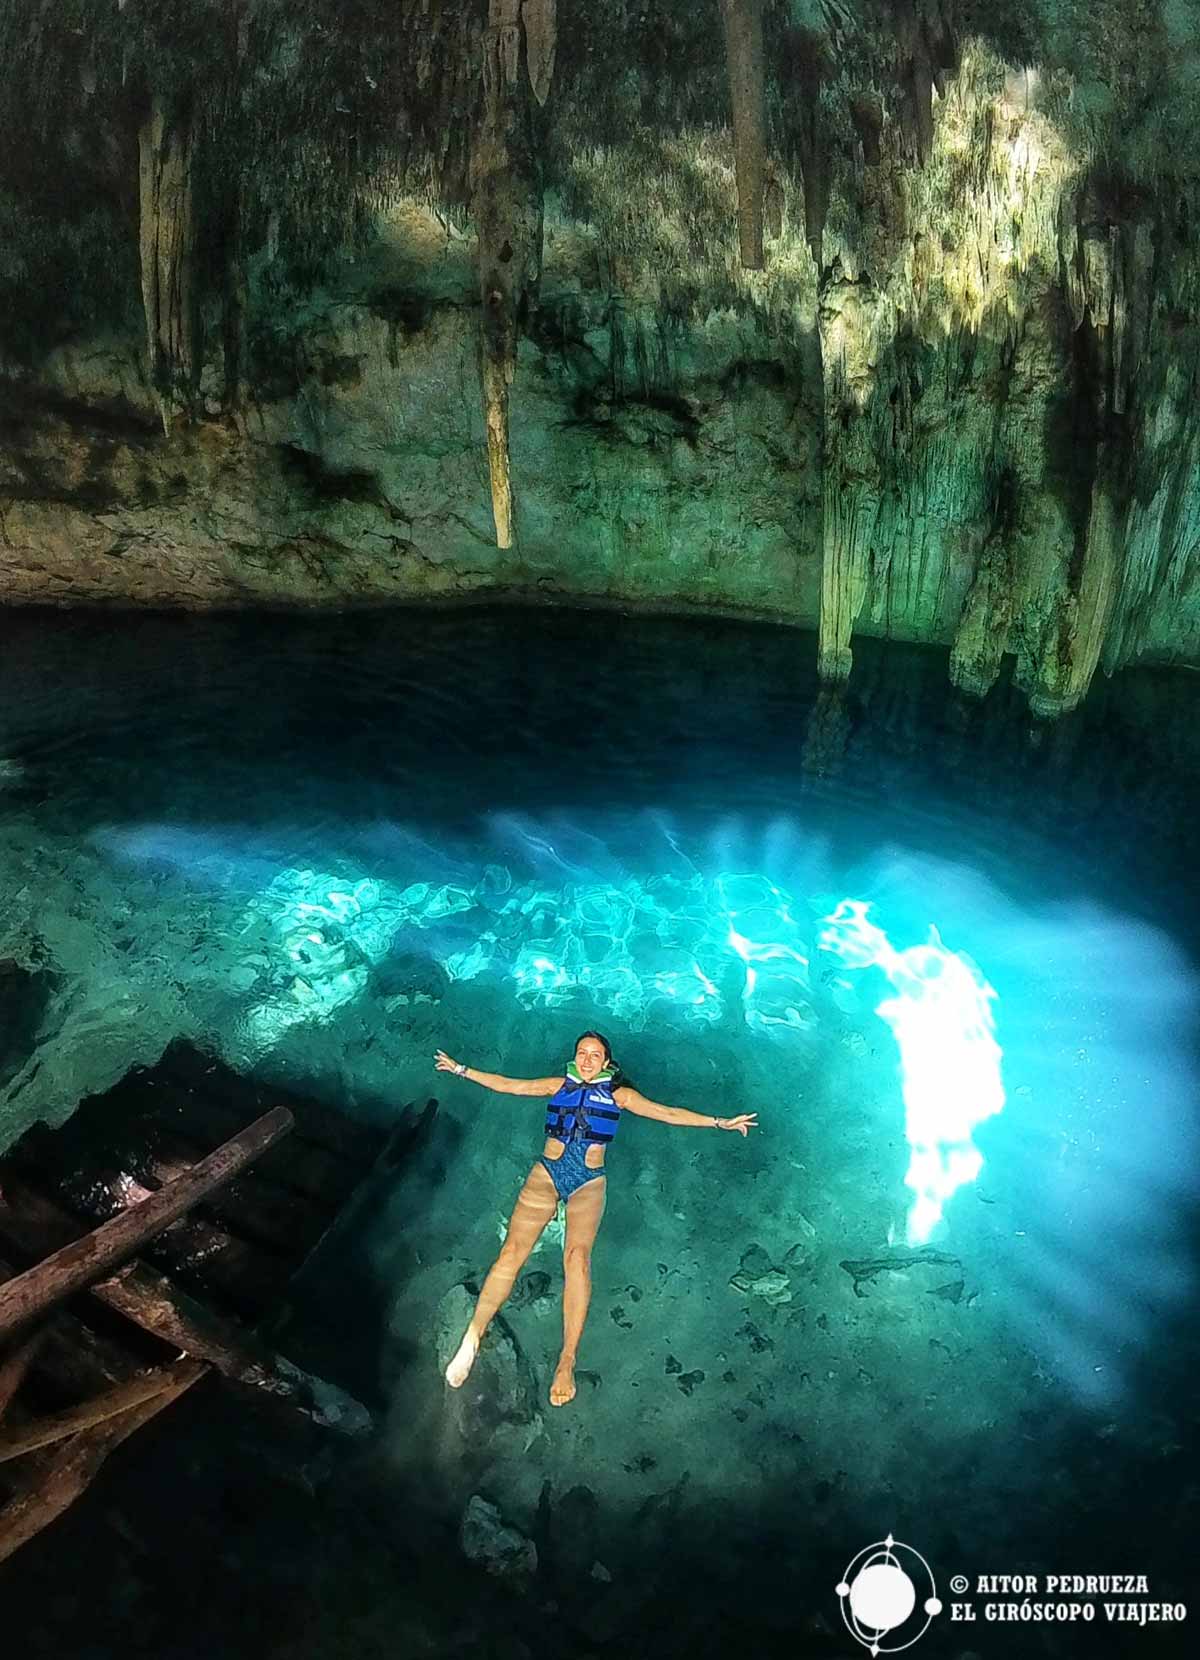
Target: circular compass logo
{"x": 879, "y": 1599}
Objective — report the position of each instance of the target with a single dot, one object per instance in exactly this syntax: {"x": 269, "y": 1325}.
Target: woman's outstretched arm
{"x": 632, "y": 1101}
{"x": 496, "y": 1081}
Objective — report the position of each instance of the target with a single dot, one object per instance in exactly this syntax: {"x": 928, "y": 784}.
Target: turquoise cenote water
{"x": 944, "y": 1291}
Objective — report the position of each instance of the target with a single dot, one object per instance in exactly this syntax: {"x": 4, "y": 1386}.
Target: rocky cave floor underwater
{"x": 273, "y": 841}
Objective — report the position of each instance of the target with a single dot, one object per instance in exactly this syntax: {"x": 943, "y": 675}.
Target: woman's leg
{"x": 536, "y": 1204}
{"x": 585, "y": 1208}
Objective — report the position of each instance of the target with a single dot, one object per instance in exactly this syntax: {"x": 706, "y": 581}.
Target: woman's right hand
{"x": 443, "y": 1062}
{"x": 743, "y": 1123}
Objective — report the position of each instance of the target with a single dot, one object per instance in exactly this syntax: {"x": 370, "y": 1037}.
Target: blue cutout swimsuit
{"x": 580, "y": 1115}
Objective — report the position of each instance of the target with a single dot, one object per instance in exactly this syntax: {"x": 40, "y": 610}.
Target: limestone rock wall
{"x": 657, "y": 463}
{"x": 925, "y": 369}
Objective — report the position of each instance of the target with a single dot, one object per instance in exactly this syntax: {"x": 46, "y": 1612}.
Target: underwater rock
{"x": 90, "y": 1033}
{"x": 572, "y": 1536}
{"x": 408, "y": 976}
{"x": 485, "y": 1539}
{"x": 495, "y": 1411}
{"x": 688, "y": 1381}
{"x": 952, "y": 1291}
{"x": 865, "y": 1270}
{"x": 773, "y": 1288}
{"x": 759, "y": 1342}
{"x": 530, "y": 1288}
{"x": 755, "y": 1261}
{"x": 25, "y": 995}
{"x": 758, "y": 1277}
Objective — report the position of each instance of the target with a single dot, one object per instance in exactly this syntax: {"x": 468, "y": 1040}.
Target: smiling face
{"x": 590, "y": 1058}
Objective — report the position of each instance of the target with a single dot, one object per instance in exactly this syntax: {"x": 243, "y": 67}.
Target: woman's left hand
{"x": 743, "y": 1124}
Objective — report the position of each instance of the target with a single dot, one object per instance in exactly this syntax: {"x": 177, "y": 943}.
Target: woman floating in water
{"x": 581, "y": 1119}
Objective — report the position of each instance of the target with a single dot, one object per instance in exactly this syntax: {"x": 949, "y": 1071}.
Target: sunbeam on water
{"x": 752, "y": 937}
{"x": 941, "y": 1018}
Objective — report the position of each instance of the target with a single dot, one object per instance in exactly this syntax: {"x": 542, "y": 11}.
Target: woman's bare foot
{"x": 460, "y": 1366}
{"x": 562, "y": 1389}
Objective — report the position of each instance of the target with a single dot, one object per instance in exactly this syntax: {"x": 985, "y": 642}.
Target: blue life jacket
{"x": 587, "y": 1112}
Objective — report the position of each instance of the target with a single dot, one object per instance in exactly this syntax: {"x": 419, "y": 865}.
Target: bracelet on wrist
{"x": 461, "y": 1070}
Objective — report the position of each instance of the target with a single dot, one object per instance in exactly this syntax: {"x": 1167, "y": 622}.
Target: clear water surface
{"x": 325, "y": 847}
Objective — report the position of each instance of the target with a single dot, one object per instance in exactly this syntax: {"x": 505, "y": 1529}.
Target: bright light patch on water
{"x": 760, "y": 924}
{"x": 941, "y": 1017}
{"x": 701, "y": 947}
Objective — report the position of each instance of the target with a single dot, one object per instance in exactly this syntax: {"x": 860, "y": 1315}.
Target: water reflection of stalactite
{"x": 828, "y": 733}
{"x": 962, "y": 719}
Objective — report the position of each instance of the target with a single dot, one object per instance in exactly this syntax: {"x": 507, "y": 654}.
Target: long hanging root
{"x": 506, "y": 204}
{"x": 744, "y": 53}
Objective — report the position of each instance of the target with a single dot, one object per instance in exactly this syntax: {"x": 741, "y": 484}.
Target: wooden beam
{"x": 73, "y": 1358}
{"x": 283, "y": 1221}
{"x": 36, "y": 1226}
{"x": 54, "y": 1482}
{"x": 198, "y": 1254}
{"x": 14, "y": 1367}
{"x": 43, "y": 1432}
{"x": 92, "y": 1257}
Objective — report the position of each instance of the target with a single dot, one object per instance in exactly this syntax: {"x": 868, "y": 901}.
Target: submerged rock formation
{"x": 874, "y": 316}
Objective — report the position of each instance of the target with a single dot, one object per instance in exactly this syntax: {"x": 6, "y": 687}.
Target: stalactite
{"x": 1073, "y": 648}
{"x": 1105, "y": 273}
{"x": 867, "y": 117}
{"x": 167, "y": 241}
{"x": 920, "y": 96}
{"x": 849, "y": 518}
{"x": 926, "y": 50}
{"x": 506, "y": 204}
{"x": 744, "y": 53}
{"x": 232, "y": 234}
{"x": 541, "y": 36}
{"x": 236, "y": 307}
{"x": 773, "y": 203}
{"x": 981, "y": 638}
{"x": 803, "y": 66}
{"x": 1162, "y": 527}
